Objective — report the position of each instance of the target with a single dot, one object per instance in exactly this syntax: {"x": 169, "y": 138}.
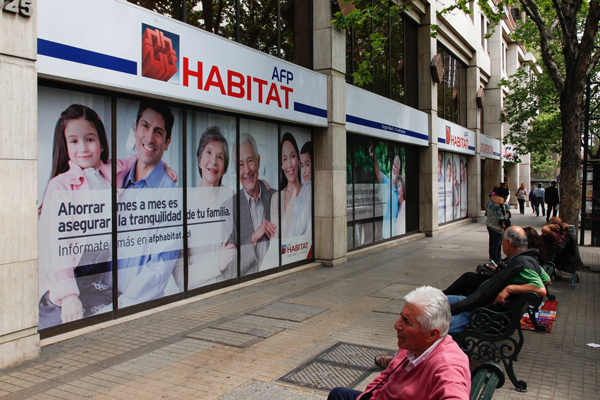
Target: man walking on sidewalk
{"x": 552, "y": 199}
{"x": 538, "y": 193}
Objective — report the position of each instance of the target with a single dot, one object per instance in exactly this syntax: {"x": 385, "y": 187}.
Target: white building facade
{"x": 272, "y": 121}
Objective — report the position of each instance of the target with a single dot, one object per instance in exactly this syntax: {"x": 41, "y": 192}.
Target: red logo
{"x": 448, "y": 135}
{"x": 159, "y": 58}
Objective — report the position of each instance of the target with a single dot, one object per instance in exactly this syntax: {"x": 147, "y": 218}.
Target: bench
{"x": 490, "y": 335}
{"x": 485, "y": 379}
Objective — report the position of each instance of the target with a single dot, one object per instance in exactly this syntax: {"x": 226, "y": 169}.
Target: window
{"x": 382, "y": 187}
{"x": 452, "y": 89}
{"x": 395, "y": 71}
{"x": 281, "y": 28}
{"x": 483, "y": 32}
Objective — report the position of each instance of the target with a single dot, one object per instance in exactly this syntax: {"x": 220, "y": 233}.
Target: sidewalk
{"x": 238, "y": 344}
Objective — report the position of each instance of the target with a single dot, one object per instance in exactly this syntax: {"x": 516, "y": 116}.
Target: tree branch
{"x": 533, "y": 13}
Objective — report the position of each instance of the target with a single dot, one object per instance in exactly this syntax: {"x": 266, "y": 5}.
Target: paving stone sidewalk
{"x": 237, "y": 345}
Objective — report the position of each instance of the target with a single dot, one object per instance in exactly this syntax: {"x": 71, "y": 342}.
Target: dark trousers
{"x": 539, "y": 201}
{"x": 465, "y": 285}
{"x": 522, "y": 205}
{"x": 340, "y": 393}
{"x": 494, "y": 244}
{"x": 551, "y": 207}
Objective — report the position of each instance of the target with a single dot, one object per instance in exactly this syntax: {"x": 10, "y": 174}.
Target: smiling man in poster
{"x": 256, "y": 228}
{"x": 147, "y": 256}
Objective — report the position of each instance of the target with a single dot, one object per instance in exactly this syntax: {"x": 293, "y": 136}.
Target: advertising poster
{"x": 441, "y": 188}
{"x": 295, "y": 195}
{"x": 363, "y": 191}
{"x": 463, "y": 186}
{"x": 448, "y": 187}
{"x": 75, "y": 222}
{"x": 258, "y": 170}
{"x": 349, "y": 195}
{"x": 398, "y": 190}
{"x": 150, "y": 201}
{"x": 456, "y": 180}
{"x": 383, "y": 190}
{"x": 211, "y": 184}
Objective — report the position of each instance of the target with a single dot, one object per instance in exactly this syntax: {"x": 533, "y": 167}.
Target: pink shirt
{"x": 61, "y": 282}
{"x": 444, "y": 374}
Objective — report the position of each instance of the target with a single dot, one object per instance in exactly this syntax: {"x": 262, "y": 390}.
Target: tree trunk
{"x": 571, "y": 107}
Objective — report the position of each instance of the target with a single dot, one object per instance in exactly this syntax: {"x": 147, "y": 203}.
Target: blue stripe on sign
{"x": 384, "y": 127}
{"x": 306, "y": 109}
{"x": 497, "y": 154}
{"x": 87, "y": 57}
{"x": 472, "y": 148}
{"x": 441, "y": 140}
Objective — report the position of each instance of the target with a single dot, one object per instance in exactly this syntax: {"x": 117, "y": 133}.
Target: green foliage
{"x": 362, "y": 17}
{"x": 543, "y": 166}
{"x": 532, "y": 110}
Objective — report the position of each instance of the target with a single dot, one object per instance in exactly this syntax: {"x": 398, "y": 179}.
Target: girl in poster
{"x": 80, "y": 164}
{"x": 302, "y": 214}
{"x": 290, "y": 183}
{"x": 209, "y": 254}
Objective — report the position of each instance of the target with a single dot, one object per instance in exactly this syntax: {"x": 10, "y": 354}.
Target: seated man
{"x": 561, "y": 245}
{"x": 521, "y": 274}
{"x": 429, "y": 364}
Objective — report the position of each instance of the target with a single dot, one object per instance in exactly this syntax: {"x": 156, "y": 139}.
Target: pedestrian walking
{"x": 552, "y": 199}
{"x": 532, "y": 200}
{"x": 539, "y": 193}
{"x": 521, "y": 197}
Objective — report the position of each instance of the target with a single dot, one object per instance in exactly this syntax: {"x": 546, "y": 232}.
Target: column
{"x": 329, "y": 58}
{"x": 428, "y": 156}
{"x": 19, "y": 340}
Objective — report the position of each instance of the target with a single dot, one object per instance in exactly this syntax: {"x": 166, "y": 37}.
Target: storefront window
{"x": 452, "y": 186}
{"x": 377, "y": 197}
{"x": 247, "y": 207}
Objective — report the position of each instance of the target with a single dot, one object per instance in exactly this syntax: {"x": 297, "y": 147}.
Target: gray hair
{"x": 518, "y": 240}
{"x": 435, "y": 309}
{"x": 213, "y": 133}
{"x": 245, "y": 138}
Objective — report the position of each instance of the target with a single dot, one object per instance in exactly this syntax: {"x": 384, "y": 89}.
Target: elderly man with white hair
{"x": 429, "y": 364}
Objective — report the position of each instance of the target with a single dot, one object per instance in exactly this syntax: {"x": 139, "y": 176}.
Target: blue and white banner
{"x": 373, "y": 115}
{"x": 489, "y": 147}
{"x": 455, "y": 138}
{"x": 117, "y": 45}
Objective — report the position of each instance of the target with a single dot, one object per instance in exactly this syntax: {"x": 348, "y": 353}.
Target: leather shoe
{"x": 383, "y": 360}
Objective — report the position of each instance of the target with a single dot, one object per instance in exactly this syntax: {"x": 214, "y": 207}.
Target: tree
{"x": 372, "y": 17}
{"x": 567, "y": 33}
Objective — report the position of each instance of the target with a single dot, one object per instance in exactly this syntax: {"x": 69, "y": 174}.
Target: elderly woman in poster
{"x": 209, "y": 214}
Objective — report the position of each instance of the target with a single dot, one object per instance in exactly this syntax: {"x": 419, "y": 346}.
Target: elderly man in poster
{"x": 429, "y": 364}
{"x": 145, "y": 277}
{"x": 256, "y": 228}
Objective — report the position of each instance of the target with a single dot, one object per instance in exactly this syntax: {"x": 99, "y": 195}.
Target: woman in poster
{"x": 401, "y": 217}
{"x": 463, "y": 187}
{"x": 209, "y": 255}
{"x": 448, "y": 189}
{"x": 455, "y": 190}
{"x": 302, "y": 214}
{"x": 290, "y": 183}
{"x": 80, "y": 164}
